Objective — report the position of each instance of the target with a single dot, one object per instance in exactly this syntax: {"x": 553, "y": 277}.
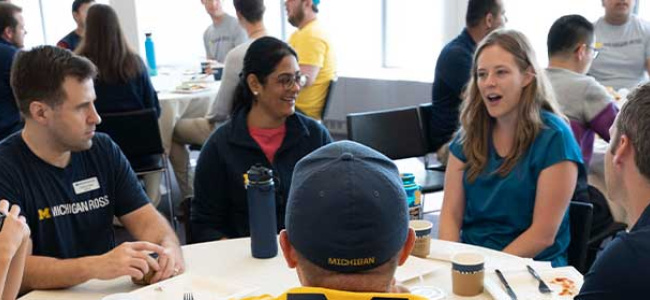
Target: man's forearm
{"x": 51, "y": 273}
{"x": 5, "y": 262}
{"x": 15, "y": 274}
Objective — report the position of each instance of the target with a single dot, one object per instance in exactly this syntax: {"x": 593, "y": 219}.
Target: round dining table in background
{"x": 176, "y": 104}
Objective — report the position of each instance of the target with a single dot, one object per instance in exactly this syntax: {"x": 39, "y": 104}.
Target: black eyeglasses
{"x": 594, "y": 51}
{"x": 289, "y": 80}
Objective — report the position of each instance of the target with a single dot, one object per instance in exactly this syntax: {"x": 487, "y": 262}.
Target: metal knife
{"x": 511, "y": 293}
{"x": 543, "y": 288}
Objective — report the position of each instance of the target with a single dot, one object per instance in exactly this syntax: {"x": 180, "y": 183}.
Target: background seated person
{"x": 14, "y": 243}
{"x": 12, "y": 38}
{"x": 587, "y": 104}
{"x": 321, "y": 239}
{"x": 317, "y": 57}
{"x": 123, "y": 83}
{"x": 453, "y": 66}
{"x": 223, "y": 34}
{"x": 263, "y": 129}
{"x": 71, "y": 182}
{"x": 624, "y": 42}
{"x": 514, "y": 165}
{"x": 79, "y": 9}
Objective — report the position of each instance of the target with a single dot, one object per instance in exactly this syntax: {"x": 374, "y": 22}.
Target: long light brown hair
{"x": 105, "y": 45}
{"x": 476, "y": 123}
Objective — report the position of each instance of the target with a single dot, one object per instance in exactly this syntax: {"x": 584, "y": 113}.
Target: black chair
{"x": 397, "y": 134}
{"x": 581, "y": 217}
{"x": 426, "y": 112}
{"x": 184, "y": 218}
{"x": 138, "y": 135}
{"x": 328, "y": 98}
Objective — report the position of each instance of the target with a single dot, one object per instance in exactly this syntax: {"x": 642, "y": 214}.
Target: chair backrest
{"x": 395, "y": 133}
{"x": 136, "y": 132}
{"x": 426, "y": 111}
{"x": 328, "y": 98}
{"x": 581, "y": 216}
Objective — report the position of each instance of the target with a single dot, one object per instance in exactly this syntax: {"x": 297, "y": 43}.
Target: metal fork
{"x": 543, "y": 288}
{"x": 188, "y": 296}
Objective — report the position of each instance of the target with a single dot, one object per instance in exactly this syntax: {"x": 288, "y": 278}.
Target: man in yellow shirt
{"x": 315, "y": 55}
{"x": 346, "y": 226}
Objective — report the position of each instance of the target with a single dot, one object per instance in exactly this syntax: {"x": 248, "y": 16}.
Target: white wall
{"x": 127, "y": 13}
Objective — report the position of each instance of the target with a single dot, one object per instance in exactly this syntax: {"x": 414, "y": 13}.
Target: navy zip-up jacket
{"x": 219, "y": 207}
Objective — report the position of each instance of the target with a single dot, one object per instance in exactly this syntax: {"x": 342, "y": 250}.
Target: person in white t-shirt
{"x": 624, "y": 43}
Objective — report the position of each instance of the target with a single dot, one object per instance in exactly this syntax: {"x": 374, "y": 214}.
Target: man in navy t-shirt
{"x": 454, "y": 65}
{"x": 621, "y": 270}
{"x": 73, "y": 39}
{"x": 71, "y": 182}
{"x": 12, "y": 35}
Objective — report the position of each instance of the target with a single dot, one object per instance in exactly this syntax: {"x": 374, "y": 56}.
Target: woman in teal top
{"x": 515, "y": 162}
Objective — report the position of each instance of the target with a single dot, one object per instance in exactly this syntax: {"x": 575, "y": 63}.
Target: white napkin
{"x": 202, "y": 288}
{"x": 415, "y": 267}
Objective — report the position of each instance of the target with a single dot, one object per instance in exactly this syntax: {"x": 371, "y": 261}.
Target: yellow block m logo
{"x": 44, "y": 214}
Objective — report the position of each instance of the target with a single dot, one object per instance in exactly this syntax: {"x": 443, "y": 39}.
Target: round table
{"x": 175, "y": 105}
{"x": 230, "y": 261}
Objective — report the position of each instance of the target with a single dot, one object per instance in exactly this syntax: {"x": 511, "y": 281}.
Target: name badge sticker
{"x": 85, "y": 185}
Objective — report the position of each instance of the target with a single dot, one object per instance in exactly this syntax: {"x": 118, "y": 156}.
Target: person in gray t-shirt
{"x": 624, "y": 43}
{"x": 587, "y": 103}
{"x": 223, "y": 34}
{"x": 196, "y": 130}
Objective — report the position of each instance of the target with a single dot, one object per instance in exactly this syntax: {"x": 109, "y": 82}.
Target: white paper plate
{"x": 525, "y": 286}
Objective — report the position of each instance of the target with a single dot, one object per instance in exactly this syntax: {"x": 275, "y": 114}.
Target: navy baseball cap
{"x": 347, "y": 209}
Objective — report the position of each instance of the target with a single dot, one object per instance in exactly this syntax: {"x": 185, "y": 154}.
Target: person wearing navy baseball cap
{"x": 346, "y": 225}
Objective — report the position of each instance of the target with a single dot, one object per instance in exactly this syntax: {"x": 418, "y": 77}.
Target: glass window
{"x": 414, "y": 33}
{"x": 545, "y": 13}
{"x": 355, "y": 30}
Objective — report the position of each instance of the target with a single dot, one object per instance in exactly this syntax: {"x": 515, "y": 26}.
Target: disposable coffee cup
{"x": 467, "y": 274}
{"x": 217, "y": 72}
{"x": 204, "y": 66}
{"x": 422, "y": 230}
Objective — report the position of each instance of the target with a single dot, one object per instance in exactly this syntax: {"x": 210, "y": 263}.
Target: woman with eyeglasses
{"x": 515, "y": 164}
{"x": 263, "y": 129}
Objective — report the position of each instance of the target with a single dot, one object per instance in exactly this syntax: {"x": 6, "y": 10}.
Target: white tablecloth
{"x": 175, "y": 106}
{"x": 230, "y": 261}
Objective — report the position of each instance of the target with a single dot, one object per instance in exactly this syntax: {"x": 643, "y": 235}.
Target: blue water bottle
{"x": 413, "y": 196}
{"x": 151, "y": 55}
{"x": 260, "y": 192}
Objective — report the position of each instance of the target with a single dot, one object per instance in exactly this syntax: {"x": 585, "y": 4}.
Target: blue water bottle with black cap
{"x": 260, "y": 192}
{"x": 151, "y": 55}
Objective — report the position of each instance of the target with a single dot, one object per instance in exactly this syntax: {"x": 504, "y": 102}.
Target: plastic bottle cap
{"x": 148, "y": 34}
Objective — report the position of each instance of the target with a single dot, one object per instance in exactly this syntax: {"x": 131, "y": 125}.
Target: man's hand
{"x": 14, "y": 231}
{"x": 127, "y": 259}
{"x": 171, "y": 263}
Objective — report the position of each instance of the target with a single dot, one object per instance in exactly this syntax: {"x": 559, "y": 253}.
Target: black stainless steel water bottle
{"x": 260, "y": 192}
